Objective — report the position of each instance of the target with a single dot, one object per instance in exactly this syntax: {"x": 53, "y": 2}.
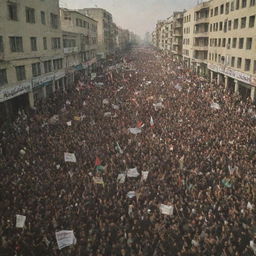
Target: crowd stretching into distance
{"x": 196, "y": 141}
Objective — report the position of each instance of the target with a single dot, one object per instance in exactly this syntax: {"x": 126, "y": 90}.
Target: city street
{"x": 147, "y": 159}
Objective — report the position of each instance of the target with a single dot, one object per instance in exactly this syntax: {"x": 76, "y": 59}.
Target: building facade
{"x": 80, "y": 42}
{"x": 177, "y": 35}
{"x": 31, "y": 52}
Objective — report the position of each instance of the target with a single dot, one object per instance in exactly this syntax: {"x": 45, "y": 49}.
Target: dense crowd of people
{"x": 197, "y": 141}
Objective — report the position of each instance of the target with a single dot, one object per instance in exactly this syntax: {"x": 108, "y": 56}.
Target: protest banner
{"x": 107, "y": 114}
{"x": 98, "y": 180}
{"x": 166, "y": 209}
{"x": 134, "y": 130}
{"x": 144, "y": 176}
{"x": 121, "y": 178}
{"x": 77, "y": 118}
{"x": 69, "y": 123}
{"x": 133, "y": 173}
{"x": 70, "y": 157}
{"x": 20, "y": 221}
{"x": 65, "y": 238}
{"x": 215, "y": 106}
{"x": 131, "y": 194}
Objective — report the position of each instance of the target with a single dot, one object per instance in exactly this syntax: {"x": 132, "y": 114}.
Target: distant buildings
{"x": 218, "y": 41}
{"x": 44, "y": 48}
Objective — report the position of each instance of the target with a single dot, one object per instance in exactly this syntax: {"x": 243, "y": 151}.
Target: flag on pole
{"x": 140, "y": 124}
{"x": 151, "y": 122}
{"x": 97, "y": 161}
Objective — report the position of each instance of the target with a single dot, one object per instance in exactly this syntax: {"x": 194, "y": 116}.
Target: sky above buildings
{"x": 139, "y": 16}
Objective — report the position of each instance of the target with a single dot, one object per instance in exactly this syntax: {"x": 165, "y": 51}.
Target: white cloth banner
{"x": 65, "y": 238}
{"x": 133, "y": 173}
{"x": 107, "y": 114}
{"x": 70, "y": 157}
{"x": 144, "y": 175}
{"x": 69, "y": 123}
{"x": 166, "y": 209}
{"x": 134, "y": 130}
{"x": 20, "y": 221}
{"x": 131, "y": 194}
{"x": 121, "y": 178}
{"x": 215, "y": 106}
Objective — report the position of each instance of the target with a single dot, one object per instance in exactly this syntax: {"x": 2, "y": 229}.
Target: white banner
{"x": 215, "y": 106}
{"x": 20, "y": 221}
{"x": 134, "y": 130}
{"x": 121, "y": 178}
{"x": 144, "y": 175}
{"x": 131, "y": 194}
{"x": 166, "y": 209}
{"x": 133, "y": 173}
{"x": 98, "y": 180}
{"x": 70, "y": 157}
{"x": 69, "y": 123}
{"x": 65, "y": 238}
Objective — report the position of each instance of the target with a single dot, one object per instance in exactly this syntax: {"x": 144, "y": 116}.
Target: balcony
{"x": 202, "y": 20}
{"x": 200, "y": 47}
{"x": 201, "y": 33}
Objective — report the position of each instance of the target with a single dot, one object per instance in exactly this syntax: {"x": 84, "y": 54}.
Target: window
{"x": 244, "y": 2}
{"x": 249, "y": 43}
{"x": 233, "y": 62}
{"x": 241, "y": 43}
{"x": 251, "y": 21}
{"x": 222, "y": 9}
{"x": 243, "y": 22}
{"x": 54, "y": 20}
{"x": 234, "y": 42}
{"x": 219, "y": 42}
{"x": 36, "y": 69}
{"x": 56, "y": 43}
{"x": 224, "y": 42}
{"x": 235, "y": 26}
{"x": 47, "y": 66}
{"x": 227, "y": 8}
{"x": 211, "y": 12}
{"x": 30, "y": 15}
{"x": 1, "y": 44}
{"x": 232, "y": 7}
{"x": 20, "y": 73}
{"x": 239, "y": 62}
{"x": 16, "y": 44}
{"x": 229, "y": 25}
{"x": 33, "y": 43}
{"x": 252, "y": 2}
{"x": 57, "y": 64}
{"x": 43, "y": 21}
{"x": 216, "y": 11}
{"x": 211, "y": 28}
{"x": 221, "y": 25}
{"x": 3, "y": 77}
{"x": 45, "y": 43}
{"x": 237, "y": 4}
{"x": 254, "y": 67}
{"x": 12, "y": 11}
{"x": 247, "y": 65}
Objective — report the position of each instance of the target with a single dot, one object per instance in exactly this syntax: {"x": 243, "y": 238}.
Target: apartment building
{"x": 31, "y": 53}
{"x": 80, "y": 42}
{"x": 232, "y": 45}
{"x": 105, "y": 30}
{"x": 177, "y": 35}
{"x": 196, "y": 38}
{"x": 123, "y": 40}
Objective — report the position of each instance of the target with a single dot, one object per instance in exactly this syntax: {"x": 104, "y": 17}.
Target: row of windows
{"x": 228, "y": 25}
{"x": 16, "y": 43}
{"x": 36, "y": 70}
{"x": 237, "y": 62}
{"x": 240, "y": 43}
{"x": 187, "y": 30}
{"x": 31, "y": 15}
{"x": 187, "y": 18}
{"x": 186, "y": 41}
{"x": 229, "y": 7}
{"x": 82, "y": 23}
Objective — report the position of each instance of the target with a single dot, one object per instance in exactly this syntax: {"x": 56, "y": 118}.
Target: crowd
{"x": 196, "y": 141}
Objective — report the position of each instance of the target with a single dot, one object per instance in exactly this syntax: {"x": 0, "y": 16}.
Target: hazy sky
{"x": 138, "y": 16}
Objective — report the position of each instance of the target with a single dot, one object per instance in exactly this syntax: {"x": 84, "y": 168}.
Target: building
{"x": 31, "y": 53}
{"x": 232, "y": 45}
{"x": 105, "y": 30}
{"x": 196, "y": 38}
{"x": 80, "y": 42}
{"x": 123, "y": 39}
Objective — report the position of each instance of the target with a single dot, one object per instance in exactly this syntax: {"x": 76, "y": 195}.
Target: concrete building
{"x": 232, "y": 45}
{"x": 31, "y": 53}
{"x": 196, "y": 38}
{"x": 123, "y": 39}
{"x": 80, "y": 42}
{"x": 105, "y": 30}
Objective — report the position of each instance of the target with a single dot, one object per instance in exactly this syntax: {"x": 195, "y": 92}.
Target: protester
{"x": 196, "y": 141}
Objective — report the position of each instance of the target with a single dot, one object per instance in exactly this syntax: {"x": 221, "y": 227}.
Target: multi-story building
{"x": 196, "y": 37}
{"x": 80, "y": 42}
{"x": 232, "y": 44}
{"x": 105, "y": 30}
{"x": 153, "y": 36}
{"x": 123, "y": 39}
{"x": 177, "y": 35}
{"x": 31, "y": 52}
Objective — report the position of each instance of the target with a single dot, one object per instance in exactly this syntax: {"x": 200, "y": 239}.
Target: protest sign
{"x": 132, "y": 173}
{"x": 65, "y": 238}
{"x": 121, "y": 178}
{"x": 131, "y": 194}
{"x": 134, "y": 130}
{"x": 166, "y": 209}
{"x": 20, "y": 221}
{"x": 70, "y": 157}
{"x": 144, "y": 175}
{"x": 69, "y": 123}
{"x": 77, "y": 118}
{"x": 215, "y": 106}
{"x": 98, "y": 180}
